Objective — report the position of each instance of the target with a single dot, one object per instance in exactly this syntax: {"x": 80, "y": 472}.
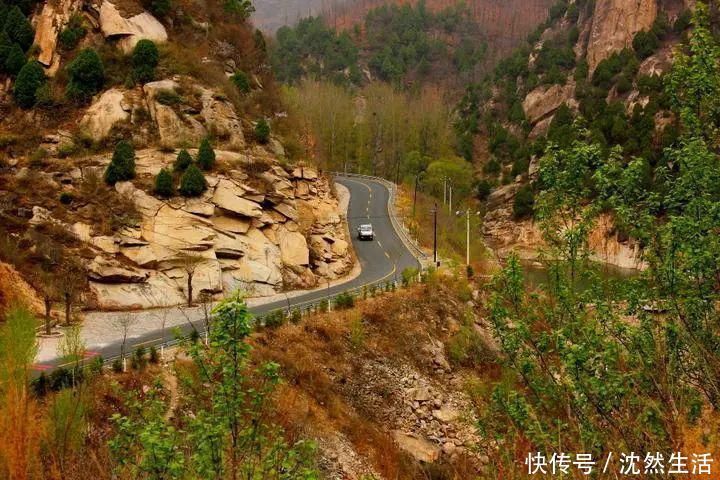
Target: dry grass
{"x": 322, "y": 363}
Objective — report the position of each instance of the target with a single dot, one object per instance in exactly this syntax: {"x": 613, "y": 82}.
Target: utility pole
{"x": 450, "y": 203}
{"x": 417, "y": 180}
{"x": 435, "y": 234}
{"x": 467, "y": 252}
{"x": 444, "y": 190}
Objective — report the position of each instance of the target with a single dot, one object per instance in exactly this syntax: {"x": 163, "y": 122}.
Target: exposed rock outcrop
{"x": 224, "y": 238}
{"x": 109, "y": 109}
{"x": 615, "y": 23}
{"x": 48, "y": 25}
{"x": 129, "y": 31}
{"x": 543, "y": 101}
{"x": 504, "y": 234}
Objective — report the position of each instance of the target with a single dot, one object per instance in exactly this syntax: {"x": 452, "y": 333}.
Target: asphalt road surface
{"x": 382, "y": 259}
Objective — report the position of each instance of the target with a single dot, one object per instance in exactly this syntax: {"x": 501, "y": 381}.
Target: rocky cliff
{"x": 604, "y": 61}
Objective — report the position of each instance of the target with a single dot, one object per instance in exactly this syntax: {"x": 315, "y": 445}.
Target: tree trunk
{"x": 48, "y": 321}
{"x": 189, "y": 289}
{"x": 68, "y": 304}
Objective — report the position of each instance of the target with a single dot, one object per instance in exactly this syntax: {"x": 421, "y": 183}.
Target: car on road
{"x": 365, "y": 232}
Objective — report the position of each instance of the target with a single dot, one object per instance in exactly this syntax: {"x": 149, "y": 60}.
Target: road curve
{"x": 382, "y": 259}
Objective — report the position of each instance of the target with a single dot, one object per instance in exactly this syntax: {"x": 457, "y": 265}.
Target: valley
{"x": 186, "y": 291}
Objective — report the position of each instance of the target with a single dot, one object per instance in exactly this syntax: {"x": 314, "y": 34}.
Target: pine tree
{"x": 262, "y": 131}
{"x": 164, "y": 184}
{"x": 192, "y": 183}
{"x": 19, "y": 29}
{"x": 15, "y": 60}
{"x": 206, "y": 155}
{"x": 87, "y": 75}
{"x": 29, "y": 80}
{"x": 145, "y": 58}
{"x": 122, "y": 165}
{"x": 183, "y": 161}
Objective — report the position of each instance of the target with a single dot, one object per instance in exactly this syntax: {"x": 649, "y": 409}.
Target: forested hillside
{"x": 404, "y": 45}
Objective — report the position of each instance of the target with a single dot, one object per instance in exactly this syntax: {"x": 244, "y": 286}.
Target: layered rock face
{"x": 260, "y": 233}
{"x": 615, "y": 23}
{"x": 180, "y": 110}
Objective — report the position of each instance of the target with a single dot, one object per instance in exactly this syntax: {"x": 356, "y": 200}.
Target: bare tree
{"x": 205, "y": 300}
{"x": 124, "y": 322}
{"x": 47, "y": 285}
{"x": 72, "y": 281}
{"x": 189, "y": 264}
{"x": 162, "y": 314}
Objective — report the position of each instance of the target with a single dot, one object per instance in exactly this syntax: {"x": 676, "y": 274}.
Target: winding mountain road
{"x": 381, "y": 260}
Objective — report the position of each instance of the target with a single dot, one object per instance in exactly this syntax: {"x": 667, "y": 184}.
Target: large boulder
{"x": 293, "y": 247}
{"x": 614, "y": 25}
{"x": 419, "y": 448}
{"x": 229, "y": 197}
{"x": 129, "y": 31}
{"x": 178, "y": 230}
{"x": 104, "y": 270}
{"x": 107, "y": 110}
{"x": 221, "y": 119}
{"x": 544, "y": 100}
{"x": 157, "y": 291}
{"x": 173, "y": 127}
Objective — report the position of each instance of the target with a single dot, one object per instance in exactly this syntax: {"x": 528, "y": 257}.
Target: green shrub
{"x": 241, "y": 81}
{"x": 66, "y": 198}
{"x": 524, "y": 204}
{"x": 15, "y": 60}
{"x": 169, "y": 97}
{"x": 73, "y": 32}
{"x": 27, "y": 83}
{"x": 164, "y": 184}
{"x": 145, "y": 58}
{"x": 645, "y": 43}
{"x": 18, "y": 28}
{"x": 296, "y": 316}
{"x": 117, "y": 366}
{"x": 483, "y": 190}
{"x": 159, "y": 8}
{"x": 624, "y": 84}
{"x": 262, "y": 131}
{"x": 467, "y": 348}
{"x": 138, "y": 360}
{"x": 122, "y": 165}
{"x": 409, "y": 275}
{"x": 183, "y": 161}
{"x": 86, "y": 76}
{"x": 275, "y": 319}
{"x": 206, "y": 155}
{"x": 344, "y": 301}
{"x": 192, "y": 183}
{"x": 154, "y": 357}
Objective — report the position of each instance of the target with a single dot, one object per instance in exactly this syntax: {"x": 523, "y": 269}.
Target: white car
{"x": 365, "y": 232}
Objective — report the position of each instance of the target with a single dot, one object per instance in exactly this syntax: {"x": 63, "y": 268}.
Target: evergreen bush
{"x": 206, "y": 155}
{"x": 183, "y": 161}
{"x": 192, "y": 183}
{"x": 241, "y": 81}
{"x": 122, "y": 165}
{"x": 86, "y": 76}
{"x": 145, "y": 58}
{"x": 262, "y": 131}
{"x": 18, "y": 28}
{"x": 27, "y": 83}
{"x": 15, "y": 60}
{"x": 164, "y": 184}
